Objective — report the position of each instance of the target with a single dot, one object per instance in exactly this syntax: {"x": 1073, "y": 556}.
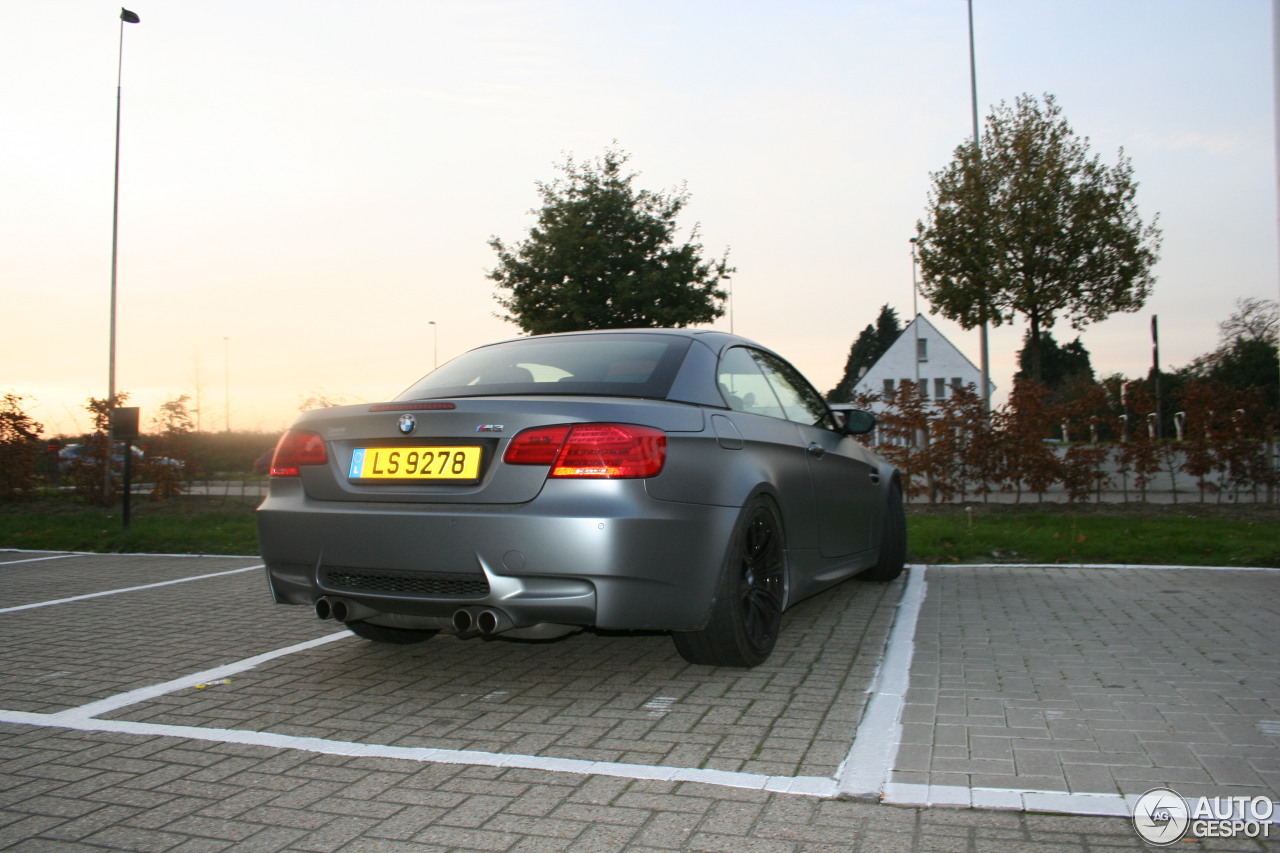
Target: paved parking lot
{"x": 164, "y": 703}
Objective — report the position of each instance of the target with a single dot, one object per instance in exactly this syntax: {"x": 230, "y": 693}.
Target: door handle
{"x": 816, "y": 450}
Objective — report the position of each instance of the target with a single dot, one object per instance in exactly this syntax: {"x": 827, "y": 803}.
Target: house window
{"x": 922, "y": 349}
{"x": 888, "y": 387}
{"x": 940, "y": 388}
{"x": 957, "y": 382}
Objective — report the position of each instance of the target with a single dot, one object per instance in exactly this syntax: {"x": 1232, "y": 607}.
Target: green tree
{"x": 1066, "y": 370}
{"x": 1058, "y": 363}
{"x": 1029, "y": 224}
{"x": 870, "y": 344}
{"x": 1246, "y": 357}
{"x": 604, "y": 255}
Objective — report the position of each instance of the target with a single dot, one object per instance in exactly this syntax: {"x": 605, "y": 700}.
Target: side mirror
{"x": 854, "y": 421}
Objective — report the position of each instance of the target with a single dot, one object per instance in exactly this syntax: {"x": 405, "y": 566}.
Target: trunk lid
{"x": 487, "y": 424}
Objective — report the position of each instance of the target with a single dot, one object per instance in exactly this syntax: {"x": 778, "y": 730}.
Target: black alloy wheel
{"x": 761, "y": 582}
{"x": 747, "y": 614}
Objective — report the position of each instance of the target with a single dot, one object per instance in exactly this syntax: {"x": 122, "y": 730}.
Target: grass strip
{"x": 187, "y": 525}
{"x": 1188, "y": 534}
{"x": 1056, "y": 537}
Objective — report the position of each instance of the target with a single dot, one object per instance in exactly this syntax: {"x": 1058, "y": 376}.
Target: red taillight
{"x": 537, "y": 446}
{"x": 586, "y": 451}
{"x": 296, "y": 449}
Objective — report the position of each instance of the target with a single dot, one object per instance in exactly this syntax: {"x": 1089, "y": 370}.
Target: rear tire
{"x": 386, "y": 634}
{"x": 893, "y": 546}
{"x": 747, "y": 612}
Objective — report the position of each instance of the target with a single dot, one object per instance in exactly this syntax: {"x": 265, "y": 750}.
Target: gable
{"x": 942, "y": 361}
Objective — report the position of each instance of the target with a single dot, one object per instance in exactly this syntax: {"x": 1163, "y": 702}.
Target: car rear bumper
{"x": 598, "y": 553}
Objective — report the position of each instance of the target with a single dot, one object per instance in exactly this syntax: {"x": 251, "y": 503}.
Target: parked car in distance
{"x": 73, "y": 453}
{"x": 79, "y": 453}
{"x": 688, "y": 481}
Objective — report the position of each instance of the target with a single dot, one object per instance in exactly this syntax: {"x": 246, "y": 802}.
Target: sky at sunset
{"x": 306, "y": 187}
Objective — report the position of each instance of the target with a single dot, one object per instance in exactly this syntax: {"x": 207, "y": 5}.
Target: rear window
{"x": 624, "y": 365}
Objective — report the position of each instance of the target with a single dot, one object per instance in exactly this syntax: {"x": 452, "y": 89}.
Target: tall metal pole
{"x": 115, "y": 225}
{"x": 985, "y": 354}
{"x": 1275, "y": 71}
{"x": 126, "y": 17}
{"x": 226, "y": 376}
{"x": 915, "y": 312}
{"x": 435, "y": 344}
{"x": 1155, "y": 372}
{"x": 729, "y": 299}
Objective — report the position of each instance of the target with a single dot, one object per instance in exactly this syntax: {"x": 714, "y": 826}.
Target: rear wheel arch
{"x": 746, "y": 614}
{"x": 893, "y": 537}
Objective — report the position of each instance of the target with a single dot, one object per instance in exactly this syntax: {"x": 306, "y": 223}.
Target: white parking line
{"x": 875, "y": 746}
{"x": 813, "y": 786}
{"x": 85, "y": 718}
{"x": 865, "y": 771}
{"x": 142, "y": 694}
{"x": 126, "y": 589}
{"x": 4, "y": 563}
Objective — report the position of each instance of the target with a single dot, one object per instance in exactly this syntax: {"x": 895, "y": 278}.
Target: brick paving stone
{"x": 1050, "y": 671}
{"x": 1102, "y": 687}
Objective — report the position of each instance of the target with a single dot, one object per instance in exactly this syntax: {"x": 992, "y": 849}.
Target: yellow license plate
{"x": 415, "y": 463}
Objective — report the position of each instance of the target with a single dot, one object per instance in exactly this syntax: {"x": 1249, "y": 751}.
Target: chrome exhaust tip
{"x": 490, "y": 622}
{"x": 463, "y": 622}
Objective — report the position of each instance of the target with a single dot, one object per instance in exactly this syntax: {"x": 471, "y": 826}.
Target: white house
{"x": 921, "y": 354}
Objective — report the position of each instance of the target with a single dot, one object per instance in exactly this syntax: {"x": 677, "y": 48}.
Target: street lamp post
{"x": 126, "y": 17}
{"x": 915, "y": 312}
{"x": 435, "y": 344}
{"x": 226, "y": 376}
{"x": 985, "y": 351}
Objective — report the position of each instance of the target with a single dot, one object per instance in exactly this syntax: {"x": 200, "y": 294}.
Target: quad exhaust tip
{"x": 328, "y": 607}
{"x": 491, "y": 622}
{"x": 463, "y": 622}
{"x": 486, "y": 621}
{"x": 467, "y": 621}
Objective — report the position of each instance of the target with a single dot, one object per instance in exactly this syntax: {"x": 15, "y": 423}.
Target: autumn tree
{"x": 20, "y": 449}
{"x": 605, "y": 255}
{"x": 88, "y": 469}
{"x": 1028, "y": 223}
{"x": 903, "y": 427}
{"x": 1025, "y": 459}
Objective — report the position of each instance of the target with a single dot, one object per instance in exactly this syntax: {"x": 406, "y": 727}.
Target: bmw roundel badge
{"x": 407, "y": 424}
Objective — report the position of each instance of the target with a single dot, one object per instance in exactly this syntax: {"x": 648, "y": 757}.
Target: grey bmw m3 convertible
{"x": 687, "y": 481}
